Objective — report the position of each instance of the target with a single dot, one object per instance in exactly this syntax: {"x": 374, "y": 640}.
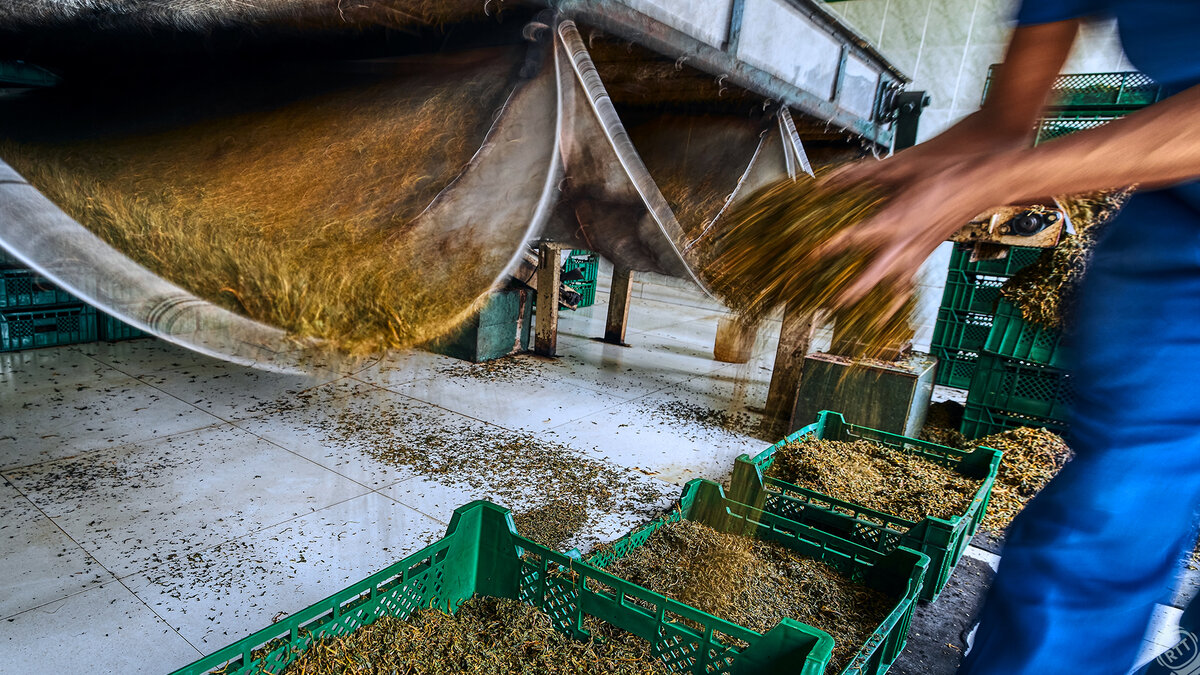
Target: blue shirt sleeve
{"x": 1046, "y": 11}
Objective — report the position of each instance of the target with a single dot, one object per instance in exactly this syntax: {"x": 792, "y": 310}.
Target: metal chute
{"x": 558, "y": 164}
{"x": 484, "y": 205}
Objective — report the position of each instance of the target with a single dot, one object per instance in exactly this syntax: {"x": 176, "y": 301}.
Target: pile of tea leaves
{"x": 558, "y": 495}
{"x": 1045, "y": 289}
{"x": 299, "y": 208}
{"x": 754, "y": 584}
{"x": 942, "y": 425}
{"x": 485, "y": 636}
{"x": 899, "y": 483}
{"x": 552, "y": 524}
{"x": 1031, "y": 458}
{"x": 768, "y": 254}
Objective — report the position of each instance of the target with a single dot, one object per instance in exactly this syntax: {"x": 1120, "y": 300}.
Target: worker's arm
{"x": 1019, "y": 92}
{"x": 1159, "y": 145}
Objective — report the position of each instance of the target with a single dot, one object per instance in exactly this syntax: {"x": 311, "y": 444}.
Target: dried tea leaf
{"x": 755, "y": 584}
{"x": 878, "y": 477}
{"x": 1044, "y": 290}
{"x": 484, "y": 637}
{"x": 766, "y": 256}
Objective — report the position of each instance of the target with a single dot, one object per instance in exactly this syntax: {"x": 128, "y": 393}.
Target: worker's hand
{"x": 925, "y": 209}
{"x": 972, "y": 139}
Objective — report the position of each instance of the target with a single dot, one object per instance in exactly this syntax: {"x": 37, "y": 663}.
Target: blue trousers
{"x": 1090, "y": 556}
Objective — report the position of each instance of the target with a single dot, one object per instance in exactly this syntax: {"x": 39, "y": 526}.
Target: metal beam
{"x": 549, "y": 269}
{"x": 618, "y": 306}
{"x": 629, "y": 24}
{"x": 795, "y": 341}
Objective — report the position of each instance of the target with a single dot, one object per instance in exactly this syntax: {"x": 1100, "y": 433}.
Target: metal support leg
{"x": 618, "y": 306}
{"x": 549, "y": 269}
{"x": 795, "y": 340}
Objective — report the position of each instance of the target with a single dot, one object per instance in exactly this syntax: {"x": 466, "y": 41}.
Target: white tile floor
{"x": 157, "y": 505}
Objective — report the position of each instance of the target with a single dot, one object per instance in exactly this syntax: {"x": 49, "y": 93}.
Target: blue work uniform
{"x": 1088, "y": 559}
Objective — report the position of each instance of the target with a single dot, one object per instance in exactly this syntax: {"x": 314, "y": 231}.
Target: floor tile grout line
{"x": 388, "y": 387}
{"x": 676, "y": 385}
{"x": 73, "y": 541}
{"x": 303, "y": 457}
{"x": 443, "y": 523}
{"x": 5, "y": 471}
{"x": 160, "y": 617}
{"x": 483, "y": 421}
{"x": 138, "y": 378}
{"x": 582, "y": 454}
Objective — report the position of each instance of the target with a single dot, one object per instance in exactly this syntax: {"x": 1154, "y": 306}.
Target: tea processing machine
{"x": 777, "y": 85}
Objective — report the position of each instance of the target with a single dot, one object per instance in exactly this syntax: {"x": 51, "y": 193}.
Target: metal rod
{"x": 618, "y": 306}
{"x": 795, "y": 342}
{"x": 545, "y": 341}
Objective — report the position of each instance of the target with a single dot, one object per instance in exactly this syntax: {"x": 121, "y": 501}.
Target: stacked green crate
{"x": 1018, "y": 377}
{"x": 968, "y": 306}
{"x": 36, "y": 313}
{"x": 483, "y": 555}
{"x": 588, "y": 264}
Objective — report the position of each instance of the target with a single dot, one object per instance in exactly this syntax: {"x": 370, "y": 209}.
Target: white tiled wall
{"x": 946, "y": 46}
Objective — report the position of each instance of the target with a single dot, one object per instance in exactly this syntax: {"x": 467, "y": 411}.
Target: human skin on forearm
{"x": 937, "y": 190}
{"x": 1019, "y": 92}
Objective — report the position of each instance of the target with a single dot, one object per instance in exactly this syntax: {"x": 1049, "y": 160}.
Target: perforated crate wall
{"x": 898, "y": 573}
{"x": 1021, "y": 388}
{"x": 588, "y": 264}
{"x": 943, "y": 540}
{"x": 1015, "y": 338}
{"x": 1017, "y": 258}
{"x": 955, "y": 368}
{"x": 1119, "y": 92}
{"x": 958, "y": 337}
{"x": 26, "y": 289}
{"x": 967, "y": 292}
{"x": 114, "y": 330}
{"x": 979, "y": 421}
{"x": 1056, "y": 127}
{"x": 483, "y": 555}
{"x": 1111, "y": 90}
{"x": 30, "y": 329}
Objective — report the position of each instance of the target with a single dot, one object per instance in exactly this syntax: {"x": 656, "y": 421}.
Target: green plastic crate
{"x": 589, "y": 264}
{"x": 962, "y": 331}
{"x": 1015, "y": 338}
{"x": 898, "y": 573}
{"x": 979, "y": 421}
{"x": 958, "y": 337}
{"x": 30, "y": 329}
{"x": 7, "y": 260}
{"x": 1021, "y": 388}
{"x": 1122, "y": 90}
{"x": 26, "y": 289}
{"x": 943, "y": 540}
{"x": 1017, "y": 259}
{"x": 115, "y": 330}
{"x": 971, "y": 292}
{"x": 1119, "y": 92}
{"x": 586, "y": 261}
{"x": 482, "y": 554}
{"x": 587, "y": 290}
{"x": 955, "y": 367}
